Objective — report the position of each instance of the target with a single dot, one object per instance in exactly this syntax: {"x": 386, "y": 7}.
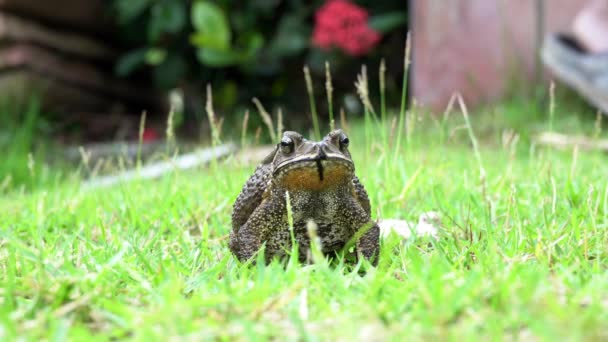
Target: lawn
{"x": 522, "y": 254}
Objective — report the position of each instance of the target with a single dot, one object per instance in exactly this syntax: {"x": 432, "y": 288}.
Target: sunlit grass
{"x": 524, "y": 256}
{"x": 523, "y": 251}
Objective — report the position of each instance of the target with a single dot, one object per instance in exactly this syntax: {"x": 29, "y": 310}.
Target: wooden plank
{"x": 91, "y": 15}
{"x": 563, "y": 141}
{"x": 75, "y": 73}
{"x": 20, "y": 85}
{"x": 17, "y": 29}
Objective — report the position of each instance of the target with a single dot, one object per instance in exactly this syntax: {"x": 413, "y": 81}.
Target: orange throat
{"x": 310, "y": 178}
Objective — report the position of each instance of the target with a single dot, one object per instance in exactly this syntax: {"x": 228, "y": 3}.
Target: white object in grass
{"x": 156, "y": 170}
{"x": 427, "y": 226}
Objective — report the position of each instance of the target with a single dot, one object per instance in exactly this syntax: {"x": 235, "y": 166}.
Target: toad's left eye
{"x": 344, "y": 141}
{"x": 287, "y": 145}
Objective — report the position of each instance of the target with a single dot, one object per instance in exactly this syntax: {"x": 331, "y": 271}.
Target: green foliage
{"x": 183, "y": 38}
{"x": 166, "y": 17}
{"x": 211, "y": 25}
{"x": 213, "y": 35}
{"x": 259, "y": 44}
{"x": 388, "y": 22}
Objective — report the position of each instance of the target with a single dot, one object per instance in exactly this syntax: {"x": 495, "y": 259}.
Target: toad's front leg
{"x": 369, "y": 243}
{"x": 269, "y": 217}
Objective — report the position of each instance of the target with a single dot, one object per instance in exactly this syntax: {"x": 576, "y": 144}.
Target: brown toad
{"x": 322, "y": 186}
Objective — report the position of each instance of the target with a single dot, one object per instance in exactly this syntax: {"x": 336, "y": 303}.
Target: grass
{"x": 22, "y": 154}
{"x": 523, "y": 253}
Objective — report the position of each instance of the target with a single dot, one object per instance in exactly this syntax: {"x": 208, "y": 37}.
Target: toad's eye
{"x": 286, "y": 145}
{"x": 344, "y": 141}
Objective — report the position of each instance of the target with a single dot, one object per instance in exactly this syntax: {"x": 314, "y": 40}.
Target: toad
{"x": 318, "y": 181}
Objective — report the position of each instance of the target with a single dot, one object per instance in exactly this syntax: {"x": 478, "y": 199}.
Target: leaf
{"x": 254, "y": 43}
{"x": 218, "y": 58}
{"x": 227, "y": 95}
{"x": 156, "y": 56}
{"x": 211, "y": 26}
{"x": 166, "y": 16}
{"x": 131, "y": 61}
{"x": 387, "y": 22}
{"x": 292, "y": 37}
{"x": 208, "y": 41}
{"x": 222, "y": 58}
{"x": 264, "y": 6}
{"x": 170, "y": 72}
{"x": 130, "y": 9}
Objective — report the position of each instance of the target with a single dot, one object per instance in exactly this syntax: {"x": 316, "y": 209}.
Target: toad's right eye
{"x": 286, "y": 145}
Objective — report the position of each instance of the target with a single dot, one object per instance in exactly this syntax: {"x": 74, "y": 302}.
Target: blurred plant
{"x": 182, "y": 39}
{"x": 247, "y": 48}
{"x": 213, "y": 38}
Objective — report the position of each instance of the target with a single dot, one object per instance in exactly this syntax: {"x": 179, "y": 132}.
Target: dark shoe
{"x": 586, "y": 73}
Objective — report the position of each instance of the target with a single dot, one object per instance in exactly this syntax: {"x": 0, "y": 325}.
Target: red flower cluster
{"x": 342, "y": 24}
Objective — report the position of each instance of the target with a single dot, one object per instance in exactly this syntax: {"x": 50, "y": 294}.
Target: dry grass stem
{"x": 244, "y": 128}
{"x": 362, "y": 86}
{"x": 311, "y": 98}
{"x": 266, "y": 118}
{"x": 330, "y": 90}
{"x": 214, "y": 123}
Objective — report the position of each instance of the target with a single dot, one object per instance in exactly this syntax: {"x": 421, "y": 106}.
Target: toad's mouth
{"x": 314, "y": 174}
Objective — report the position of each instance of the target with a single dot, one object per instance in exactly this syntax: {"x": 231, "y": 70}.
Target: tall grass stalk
{"x": 444, "y": 124}
{"x": 404, "y": 86}
{"x": 474, "y": 142}
{"x": 362, "y": 87}
{"x": 343, "y": 121}
{"x": 382, "y": 86}
{"x": 316, "y": 253}
{"x": 329, "y": 88}
{"x": 214, "y": 123}
{"x": 85, "y": 158}
{"x": 244, "y": 129}
{"x": 290, "y": 222}
{"x": 383, "y": 114}
{"x": 551, "y": 105}
{"x": 280, "y": 126}
{"x": 140, "y": 141}
{"x": 313, "y": 106}
{"x": 170, "y": 133}
{"x": 266, "y": 118}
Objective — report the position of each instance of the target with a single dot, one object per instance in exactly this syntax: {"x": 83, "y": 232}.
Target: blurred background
{"x": 96, "y": 65}
{"x": 82, "y": 72}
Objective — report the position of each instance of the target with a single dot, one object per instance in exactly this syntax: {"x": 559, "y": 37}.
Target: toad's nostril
{"x": 321, "y": 155}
